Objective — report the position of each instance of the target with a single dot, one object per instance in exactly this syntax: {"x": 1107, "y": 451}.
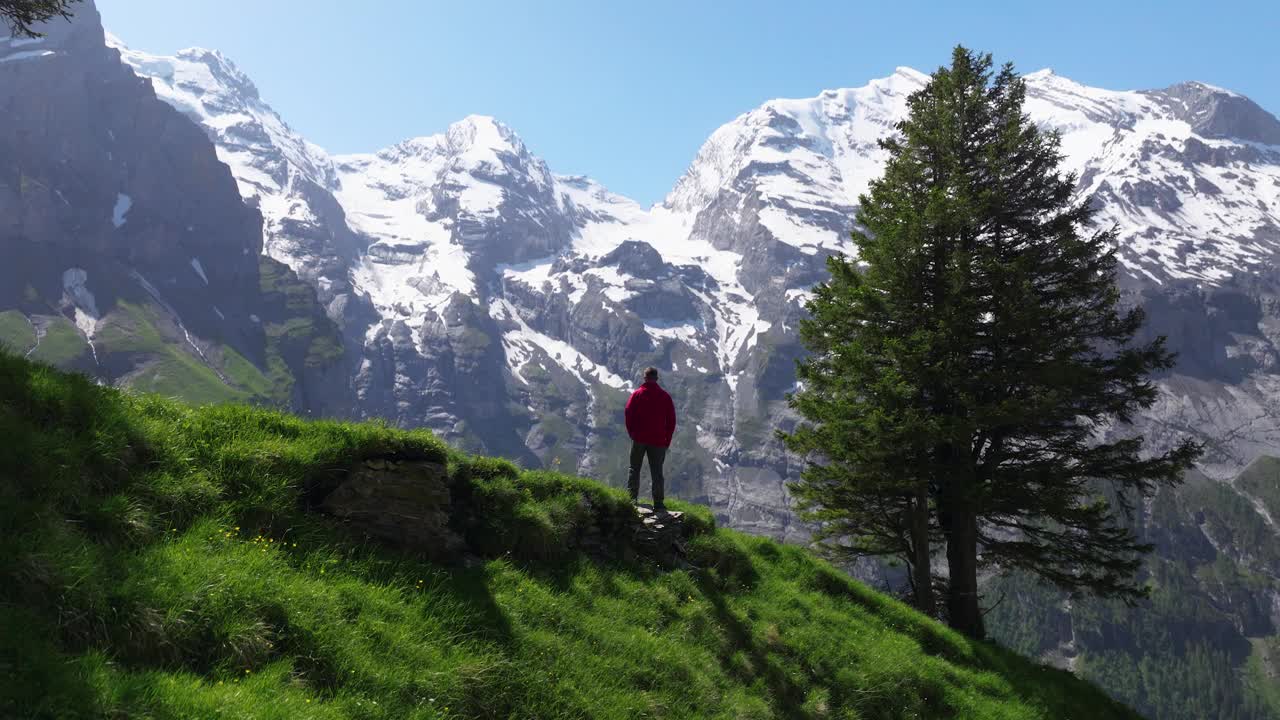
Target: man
{"x": 651, "y": 421}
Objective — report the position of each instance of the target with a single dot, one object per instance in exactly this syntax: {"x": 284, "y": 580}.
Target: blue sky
{"x": 627, "y": 91}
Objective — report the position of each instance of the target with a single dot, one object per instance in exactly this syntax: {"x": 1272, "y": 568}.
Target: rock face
{"x": 404, "y": 503}
{"x": 661, "y": 535}
{"x": 97, "y": 166}
{"x": 128, "y": 248}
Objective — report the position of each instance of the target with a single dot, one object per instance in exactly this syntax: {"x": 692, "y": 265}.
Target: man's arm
{"x": 629, "y": 415}
{"x": 671, "y": 419}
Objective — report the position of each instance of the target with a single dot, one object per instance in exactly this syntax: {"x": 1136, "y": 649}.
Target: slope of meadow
{"x": 161, "y": 560}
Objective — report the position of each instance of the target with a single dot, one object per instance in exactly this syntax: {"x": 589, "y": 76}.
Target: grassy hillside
{"x": 158, "y": 560}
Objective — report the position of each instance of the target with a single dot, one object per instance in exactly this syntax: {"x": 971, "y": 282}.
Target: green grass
{"x": 178, "y": 375}
{"x": 246, "y": 375}
{"x": 1262, "y": 480}
{"x": 61, "y": 344}
{"x": 172, "y": 371}
{"x": 131, "y": 328}
{"x": 1233, "y": 522}
{"x": 16, "y": 333}
{"x": 1262, "y": 672}
{"x": 156, "y": 560}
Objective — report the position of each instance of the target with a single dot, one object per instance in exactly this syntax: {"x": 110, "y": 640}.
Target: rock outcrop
{"x": 661, "y": 535}
{"x": 405, "y": 503}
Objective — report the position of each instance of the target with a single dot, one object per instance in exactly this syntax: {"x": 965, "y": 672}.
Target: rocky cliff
{"x": 129, "y": 252}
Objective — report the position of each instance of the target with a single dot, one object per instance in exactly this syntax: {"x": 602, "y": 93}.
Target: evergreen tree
{"x": 958, "y": 377}
{"x": 868, "y": 424}
{"x": 20, "y": 15}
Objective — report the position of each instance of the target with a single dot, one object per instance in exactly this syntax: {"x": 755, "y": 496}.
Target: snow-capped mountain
{"x": 500, "y": 304}
{"x": 1190, "y": 174}
{"x": 287, "y": 178}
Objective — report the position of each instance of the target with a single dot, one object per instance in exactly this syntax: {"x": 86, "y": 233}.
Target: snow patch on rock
{"x": 195, "y": 265}
{"x": 120, "y": 213}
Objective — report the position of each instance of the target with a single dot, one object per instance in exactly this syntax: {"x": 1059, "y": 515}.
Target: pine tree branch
{"x": 22, "y": 15}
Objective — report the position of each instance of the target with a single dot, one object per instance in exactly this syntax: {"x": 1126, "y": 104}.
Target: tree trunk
{"x": 921, "y": 572}
{"x": 963, "y": 612}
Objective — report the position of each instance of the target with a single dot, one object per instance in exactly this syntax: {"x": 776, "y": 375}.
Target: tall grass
{"x": 161, "y": 561}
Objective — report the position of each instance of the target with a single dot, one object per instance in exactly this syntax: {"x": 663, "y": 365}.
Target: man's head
{"x": 651, "y": 374}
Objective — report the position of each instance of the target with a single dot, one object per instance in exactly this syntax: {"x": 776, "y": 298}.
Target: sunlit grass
{"x": 16, "y": 333}
{"x": 157, "y": 560}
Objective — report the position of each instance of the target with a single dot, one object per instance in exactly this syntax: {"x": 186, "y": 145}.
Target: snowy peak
{"x": 911, "y": 75}
{"x": 261, "y": 149}
{"x": 1209, "y": 111}
{"x": 479, "y": 133}
{"x": 467, "y": 144}
{"x": 791, "y": 171}
{"x": 824, "y": 141}
{"x": 1190, "y": 173}
{"x": 223, "y": 70}
{"x": 1169, "y": 166}
{"x": 476, "y": 157}
{"x": 1060, "y": 102}
{"x": 444, "y": 211}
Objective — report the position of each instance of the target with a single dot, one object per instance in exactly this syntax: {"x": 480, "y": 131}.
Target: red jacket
{"x": 651, "y": 416}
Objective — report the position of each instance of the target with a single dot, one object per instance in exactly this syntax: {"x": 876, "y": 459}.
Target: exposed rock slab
{"x": 406, "y": 503}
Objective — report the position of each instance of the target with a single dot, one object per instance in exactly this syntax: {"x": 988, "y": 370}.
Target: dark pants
{"x": 656, "y": 456}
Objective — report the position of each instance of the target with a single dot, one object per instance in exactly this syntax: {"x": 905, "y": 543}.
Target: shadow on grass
{"x": 1056, "y": 691}
{"x": 785, "y": 696}
{"x": 36, "y": 680}
{"x": 932, "y": 640}
{"x": 458, "y": 586}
